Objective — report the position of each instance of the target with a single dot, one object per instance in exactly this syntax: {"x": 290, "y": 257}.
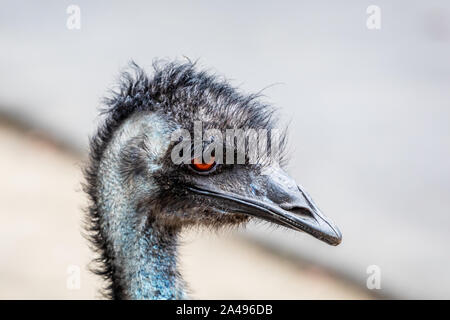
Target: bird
{"x": 140, "y": 200}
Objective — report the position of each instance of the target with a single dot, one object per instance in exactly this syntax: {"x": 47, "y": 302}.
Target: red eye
{"x": 200, "y": 166}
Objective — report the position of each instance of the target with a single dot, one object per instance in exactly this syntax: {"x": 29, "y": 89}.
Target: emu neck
{"x": 143, "y": 253}
{"x": 148, "y": 263}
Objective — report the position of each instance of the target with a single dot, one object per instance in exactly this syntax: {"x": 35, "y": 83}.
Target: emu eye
{"x": 203, "y": 167}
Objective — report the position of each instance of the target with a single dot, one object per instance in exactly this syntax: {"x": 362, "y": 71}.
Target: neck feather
{"x": 144, "y": 254}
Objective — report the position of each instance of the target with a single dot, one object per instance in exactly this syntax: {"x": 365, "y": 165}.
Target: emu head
{"x": 205, "y": 187}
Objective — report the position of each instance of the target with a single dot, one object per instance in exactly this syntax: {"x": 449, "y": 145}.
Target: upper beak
{"x": 278, "y": 199}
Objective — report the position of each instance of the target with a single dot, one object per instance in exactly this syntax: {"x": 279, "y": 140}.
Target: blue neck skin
{"x": 151, "y": 266}
{"x": 144, "y": 255}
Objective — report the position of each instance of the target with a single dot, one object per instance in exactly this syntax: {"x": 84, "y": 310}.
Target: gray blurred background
{"x": 368, "y": 110}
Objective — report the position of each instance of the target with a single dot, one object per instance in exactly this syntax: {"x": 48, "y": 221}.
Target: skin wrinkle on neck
{"x": 144, "y": 256}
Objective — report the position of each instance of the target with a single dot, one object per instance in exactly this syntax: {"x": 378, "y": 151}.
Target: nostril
{"x": 299, "y": 211}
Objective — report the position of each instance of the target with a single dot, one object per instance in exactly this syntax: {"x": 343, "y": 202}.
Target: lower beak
{"x": 282, "y": 202}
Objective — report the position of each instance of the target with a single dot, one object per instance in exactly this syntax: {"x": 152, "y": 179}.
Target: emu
{"x": 139, "y": 199}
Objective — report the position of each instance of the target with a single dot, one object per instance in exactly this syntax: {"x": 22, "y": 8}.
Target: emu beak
{"x": 277, "y": 198}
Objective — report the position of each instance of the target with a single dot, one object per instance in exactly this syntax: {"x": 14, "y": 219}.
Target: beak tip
{"x": 337, "y": 237}
{"x": 337, "y": 241}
